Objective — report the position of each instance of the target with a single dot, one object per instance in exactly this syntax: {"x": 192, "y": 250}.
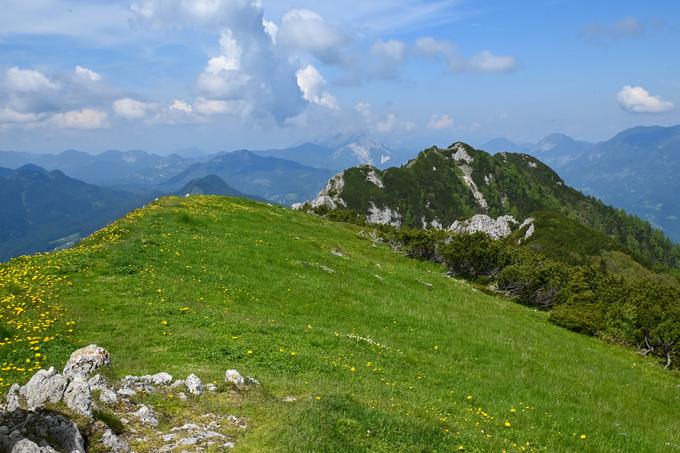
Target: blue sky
{"x": 164, "y": 75}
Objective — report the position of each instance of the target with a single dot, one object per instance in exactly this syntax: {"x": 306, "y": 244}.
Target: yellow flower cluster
{"x": 27, "y": 316}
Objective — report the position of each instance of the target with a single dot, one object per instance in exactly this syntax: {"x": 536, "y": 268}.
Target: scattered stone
{"x": 177, "y": 383}
{"x": 26, "y": 446}
{"x": 45, "y": 386}
{"x": 194, "y": 385}
{"x": 212, "y": 388}
{"x": 289, "y": 399}
{"x": 249, "y": 380}
{"x": 182, "y": 396}
{"x": 188, "y": 441}
{"x": 239, "y": 423}
{"x": 234, "y": 377}
{"x": 146, "y": 416}
{"x": 229, "y": 445}
{"x": 159, "y": 379}
{"x": 337, "y": 252}
{"x": 126, "y": 391}
{"x": 85, "y": 361}
{"x": 114, "y": 443}
{"x": 78, "y": 397}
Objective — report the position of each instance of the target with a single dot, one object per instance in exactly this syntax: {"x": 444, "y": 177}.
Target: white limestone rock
{"x": 194, "y": 384}
{"x": 496, "y": 228}
{"x": 108, "y": 396}
{"x": 330, "y": 195}
{"x": 384, "y": 216}
{"x": 234, "y": 377}
{"x": 11, "y": 399}
{"x": 85, "y": 361}
{"x": 146, "y": 416}
{"x": 45, "y": 386}
{"x": 373, "y": 178}
{"x": 78, "y": 397}
{"x": 114, "y": 443}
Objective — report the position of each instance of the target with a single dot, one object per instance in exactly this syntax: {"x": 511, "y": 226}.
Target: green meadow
{"x": 380, "y": 352}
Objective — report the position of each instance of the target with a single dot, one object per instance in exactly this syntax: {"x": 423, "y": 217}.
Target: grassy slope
{"x": 446, "y": 368}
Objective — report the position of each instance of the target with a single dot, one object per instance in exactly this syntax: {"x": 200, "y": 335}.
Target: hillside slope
{"x": 41, "y": 210}
{"x": 442, "y": 186}
{"x": 380, "y": 352}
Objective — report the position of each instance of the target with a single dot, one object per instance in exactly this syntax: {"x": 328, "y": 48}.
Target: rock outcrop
{"x": 85, "y": 361}
{"x": 27, "y": 425}
{"x": 496, "y": 228}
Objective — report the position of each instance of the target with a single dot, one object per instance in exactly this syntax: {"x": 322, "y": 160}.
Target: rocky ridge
{"x": 62, "y": 411}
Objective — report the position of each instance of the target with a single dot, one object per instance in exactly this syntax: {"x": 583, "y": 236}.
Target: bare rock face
{"x": 495, "y": 228}
{"x": 45, "y": 386}
{"x": 330, "y": 195}
{"x": 85, "y": 361}
{"x": 78, "y": 397}
{"x": 39, "y": 431}
{"x": 384, "y": 216}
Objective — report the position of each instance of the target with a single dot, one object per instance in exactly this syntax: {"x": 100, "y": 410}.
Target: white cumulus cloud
{"x": 87, "y": 74}
{"x": 209, "y": 107}
{"x": 440, "y": 122}
{"x": 638, "y": 100}
{"x": 81, "y": 119}
{"x": 131, "y": 109}
{"x": 27, "y": 80}
{"x": 484, "y": 61}
{"x": 8, "y": 115}
{"x": 181, "y": 106}
{"x": 307, "y": 30}
{"x": 312, "y": 85}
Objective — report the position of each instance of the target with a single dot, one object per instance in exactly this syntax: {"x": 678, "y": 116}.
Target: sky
{"x": 169, "y": 75}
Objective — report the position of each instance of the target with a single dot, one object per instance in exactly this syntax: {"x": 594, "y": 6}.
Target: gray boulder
{"x": 78, "y": 397}
{"x": 146, "y": 416}
{"x": 234, "y": 377}
{"x": 45, "y": 386}
{"x": 11, "y": 399}
{"x": 160, "y": 379}
{"x": 113, "y": 443}
{"x": 194, "y": 385}
{"x": 24, "y": 431}
{"x": 85, "y": 361}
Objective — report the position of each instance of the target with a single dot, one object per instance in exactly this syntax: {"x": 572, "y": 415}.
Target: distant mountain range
{"x": 128, "y": 169}
{"x": 338, "y": 152}
{"x": 278, "y": 180}
{"x": 42, "y": 210}
{"x": 637, "y": 170}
